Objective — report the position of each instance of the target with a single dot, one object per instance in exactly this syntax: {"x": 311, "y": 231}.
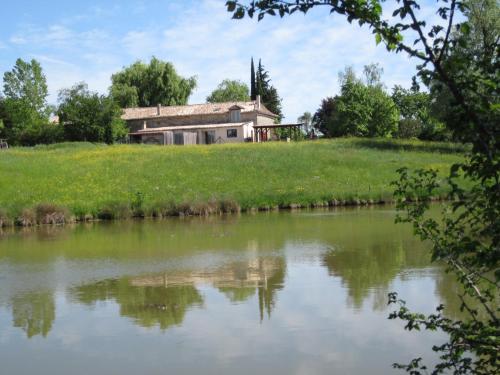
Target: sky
{"x": 89, "y": 40}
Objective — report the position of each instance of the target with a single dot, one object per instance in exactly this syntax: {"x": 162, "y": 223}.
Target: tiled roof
{"x": 189, "y": 110}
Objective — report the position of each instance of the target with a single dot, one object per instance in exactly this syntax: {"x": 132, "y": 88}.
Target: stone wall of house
{"x": 153, "y": 139}
{"x": 213, "y": 118}
{"x": 264, "y": 120}
{"x": 220, "y": 136}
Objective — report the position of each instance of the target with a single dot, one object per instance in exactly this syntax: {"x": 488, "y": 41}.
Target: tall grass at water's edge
{"x": 81, "y": 181}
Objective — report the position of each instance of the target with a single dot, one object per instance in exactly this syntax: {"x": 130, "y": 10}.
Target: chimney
{"x": 257, "y": 102}
{"x": 158, "y": 109}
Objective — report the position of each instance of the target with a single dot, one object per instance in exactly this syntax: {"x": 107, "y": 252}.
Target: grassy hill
{"x": 83, "y": 179}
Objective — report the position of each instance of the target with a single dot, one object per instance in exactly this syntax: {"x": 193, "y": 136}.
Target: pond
{"x": 280, "y": 293}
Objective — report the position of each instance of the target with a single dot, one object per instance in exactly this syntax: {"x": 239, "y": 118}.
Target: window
{"x": 232, "y": 133}
{"x": 235, "y": 115}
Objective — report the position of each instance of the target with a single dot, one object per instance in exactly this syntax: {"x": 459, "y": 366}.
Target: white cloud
{"x": 140, "y": 44}
{"x": 302, "y": 53}
{"x": 17, "y": 39}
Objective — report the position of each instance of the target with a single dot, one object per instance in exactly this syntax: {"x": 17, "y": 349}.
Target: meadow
{"x": 86, "y": 181}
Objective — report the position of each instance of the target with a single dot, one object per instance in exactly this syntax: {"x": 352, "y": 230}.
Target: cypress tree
{"x": 268, "y": 93}
{"x": 253, "y": 88}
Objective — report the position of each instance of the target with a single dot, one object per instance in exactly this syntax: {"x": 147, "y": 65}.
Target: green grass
{"x": 98, "y": 179}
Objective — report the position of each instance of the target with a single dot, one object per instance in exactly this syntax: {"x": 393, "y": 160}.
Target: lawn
{"x": 90, "y": 179}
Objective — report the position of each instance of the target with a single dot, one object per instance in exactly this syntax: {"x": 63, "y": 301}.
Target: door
{"x": 210, "y": 137}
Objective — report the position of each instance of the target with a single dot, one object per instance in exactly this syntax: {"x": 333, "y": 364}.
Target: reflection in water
{"x": 148, "y": 306}
{"x": 303, "y": 290}
{"x": 164, "y": 299}
{"x": 369, "y": 267}
{"x": 34, "y": 313}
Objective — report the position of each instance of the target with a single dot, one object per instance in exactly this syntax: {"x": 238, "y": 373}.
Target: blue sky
{"x": 89, "y": 40}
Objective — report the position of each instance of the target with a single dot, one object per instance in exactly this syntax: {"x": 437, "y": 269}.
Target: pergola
{"x": 262, "y": 132}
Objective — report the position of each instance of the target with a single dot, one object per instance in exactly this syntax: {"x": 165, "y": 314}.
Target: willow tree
{"x": 229, "y": 91}
{"x": 145, "y": 85}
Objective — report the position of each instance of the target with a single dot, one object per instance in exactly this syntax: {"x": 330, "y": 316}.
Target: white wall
{"x": 222, "y": 133}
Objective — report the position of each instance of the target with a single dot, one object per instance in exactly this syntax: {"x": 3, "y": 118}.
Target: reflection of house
{"x": 254, "y": 273}
{"x": 238, "y": 281}
{"x": 201, "y": 123}
{"x": 164, "y": 299}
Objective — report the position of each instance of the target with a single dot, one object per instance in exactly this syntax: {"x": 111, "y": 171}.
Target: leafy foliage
{"x": 26, "y": 82}
{"x": 306, "y": 119}
{"x": 362, "y": 110}
{"x": 268, "y": 93}
{"x": 417, "y": 120}
{"x": 24, "y": 110}
{"x": 323, "y": 116}
{"x": 87, "y": 116}
{"x": 253, "y": 85}
{"x": 461, "y": 60}
{"x": 146, "y": 85}
{"x": 229, "y": 91}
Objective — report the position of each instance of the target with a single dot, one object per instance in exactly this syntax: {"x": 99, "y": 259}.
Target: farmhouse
{"x": 201, "y": 123}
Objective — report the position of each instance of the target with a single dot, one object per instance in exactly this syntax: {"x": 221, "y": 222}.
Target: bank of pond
{"x": 81, "y": 182}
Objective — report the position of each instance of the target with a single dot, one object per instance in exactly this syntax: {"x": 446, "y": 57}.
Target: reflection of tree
{"x": 449, "y": 292}
{"x": 147, "y": 305}
{"x": 241, "y": 280}
{"x": 34, "y": 313}
{"x": 370, "y": 267}
{"x": 238, "y": 294}
{"x": 272, "y": 284}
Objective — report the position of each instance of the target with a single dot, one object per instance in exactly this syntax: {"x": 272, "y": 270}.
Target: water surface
{"x": 278, "y": 293}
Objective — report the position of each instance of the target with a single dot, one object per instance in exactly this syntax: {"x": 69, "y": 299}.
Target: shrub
{"x": 51, "y": 214}
{"x": 4, "y": 219}
{"x": 229, "y": 206}
{"x": 409, "y": 128}
{"x": 27, "y": 218}
{"x": 114, "y": 210}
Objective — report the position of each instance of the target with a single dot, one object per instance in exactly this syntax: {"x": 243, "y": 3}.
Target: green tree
{"x": 229, "y": 91}
{"x": 384, "y": 114}
{"x": 373, "y": 74}
{"x": 416, "y": 119}
{"x": 253, "y": 86}
{"x": 352, "y": 111}
{"x": 480, "y": 37}
{"x": 322, "y": 118}
{"x": 146, "y": 85}
{"x": 467, "y": 239}
{"x": 362, "y": 110}
{"x": 26, "y": 82}
{"x": 24, "y": 109}
{"x": 268, "y": 93}
{"x": 88, "y": 116}
{"x": 306, "y": 119}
